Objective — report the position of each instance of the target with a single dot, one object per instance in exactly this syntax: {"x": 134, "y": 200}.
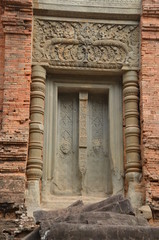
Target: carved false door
{"x": 81, "y": 164}
{"x": 66, "y": 174}
{"x": 98, "y": 177}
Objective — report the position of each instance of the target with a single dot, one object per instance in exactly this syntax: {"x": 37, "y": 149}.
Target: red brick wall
{"x": 1, "y": 64}
{"x": 17, "y": 26}
{"x": 149, "y": 95}
{"x": 15, "y": 77}
{"x": 16, "y": 21}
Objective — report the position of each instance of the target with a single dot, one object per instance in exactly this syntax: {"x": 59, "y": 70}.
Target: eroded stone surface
{"x": 95, "y": 232}
{"x": 146, "y": 212}
{"x": 106, "y": 8}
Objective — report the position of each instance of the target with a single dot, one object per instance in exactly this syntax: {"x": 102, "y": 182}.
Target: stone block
{"x": 87, "y": 222}
{"x": 146, "y": 212}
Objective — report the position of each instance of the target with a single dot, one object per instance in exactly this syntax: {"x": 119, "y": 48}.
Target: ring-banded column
{"x": 34, "y": 164}
{"x": 132, "y": 136}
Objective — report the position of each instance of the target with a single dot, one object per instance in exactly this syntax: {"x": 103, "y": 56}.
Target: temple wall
{"x": 15, "y": 77}
{"x": 15, "y": 72}
{"x": 149, "y": 101}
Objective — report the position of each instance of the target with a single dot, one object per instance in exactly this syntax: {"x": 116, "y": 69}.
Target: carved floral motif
{"x": 66, "y": 131}
{"x": 85, "y": 44}
{"x": 65, "y": 147}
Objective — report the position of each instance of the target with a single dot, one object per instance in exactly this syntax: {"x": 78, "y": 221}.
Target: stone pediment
{"x": 85, "y": 44}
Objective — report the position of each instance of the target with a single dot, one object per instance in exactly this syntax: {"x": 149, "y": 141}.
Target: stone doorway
{"x": 109, "y": 51}
{"x": 82, "y": 151}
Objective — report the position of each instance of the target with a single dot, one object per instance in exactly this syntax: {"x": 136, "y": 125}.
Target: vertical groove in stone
{"x": 34, "y": 165}
{"x": 83, "y": 105}
{"x": 132, "y": 129}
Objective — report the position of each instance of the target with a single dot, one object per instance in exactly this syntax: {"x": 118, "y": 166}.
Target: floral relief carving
{"x": 65, "y": 147}
{"x": 85, "y": 44}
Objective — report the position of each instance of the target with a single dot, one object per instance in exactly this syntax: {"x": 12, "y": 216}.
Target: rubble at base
{"x": 110, "y": 219}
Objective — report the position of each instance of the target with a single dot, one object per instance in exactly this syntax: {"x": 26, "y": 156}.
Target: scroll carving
{"x": 85, "y": 44}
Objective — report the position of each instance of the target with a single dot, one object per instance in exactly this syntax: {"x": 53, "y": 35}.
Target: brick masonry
{"x": 1, "y": 64}
{"x": 149, "y": 101}
{"x": 15, "y": 78}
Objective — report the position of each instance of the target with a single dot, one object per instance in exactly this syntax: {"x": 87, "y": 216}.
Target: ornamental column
{"x": 34, "y": 164}
{"x": 132, "y": 137}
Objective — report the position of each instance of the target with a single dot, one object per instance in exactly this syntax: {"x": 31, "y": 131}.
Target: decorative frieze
{"x": 85, "y": 44}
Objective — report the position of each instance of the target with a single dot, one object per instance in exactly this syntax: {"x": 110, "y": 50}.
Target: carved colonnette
{"x": 132, "y": 131}
{"x": 34, "y": 165}
{"x": 132, "y": 134}
{"x": 34, "y": 169}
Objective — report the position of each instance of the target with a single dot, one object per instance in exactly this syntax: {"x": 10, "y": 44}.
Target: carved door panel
{"x": 83, "y": 137}
{"x": 98, "y": 166}
{"x": 66, "y": 173}
{"x": 81, "y": 164}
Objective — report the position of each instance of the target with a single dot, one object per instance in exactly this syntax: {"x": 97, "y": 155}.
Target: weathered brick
{"x": 15, "y": 78}
{"x": 149, "y": 100}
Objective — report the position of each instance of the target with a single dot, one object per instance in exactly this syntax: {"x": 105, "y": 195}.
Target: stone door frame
{"x": 109, "y": 84}
{"x": 82, "y": 40}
